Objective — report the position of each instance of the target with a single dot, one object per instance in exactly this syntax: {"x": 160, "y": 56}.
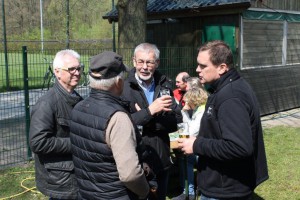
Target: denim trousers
{"x": 190, "y": 162}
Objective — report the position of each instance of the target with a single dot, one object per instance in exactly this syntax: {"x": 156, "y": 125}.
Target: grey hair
{"x": 194, "y": 82}
{"x": 58, "y": 61}
{"x": 105, "y": 84}
{"x": 147, "y": 47}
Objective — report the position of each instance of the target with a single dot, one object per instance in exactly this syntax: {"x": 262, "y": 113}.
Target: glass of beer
{"x": 164, "y": 91}
{"x": 183, "y": 135}
{"x": 183, "y": 130}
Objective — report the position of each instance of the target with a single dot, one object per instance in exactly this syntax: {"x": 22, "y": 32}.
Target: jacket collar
{"x": 106, "y": 95}
{"x": 225, "y": 79}
{"x": 71, "y": 99}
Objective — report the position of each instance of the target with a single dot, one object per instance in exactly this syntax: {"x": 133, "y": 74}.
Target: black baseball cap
{"x": 106, "y": 65}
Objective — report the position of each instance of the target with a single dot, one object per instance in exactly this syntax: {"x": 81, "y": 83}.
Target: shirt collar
{"x": 142, "y": 83}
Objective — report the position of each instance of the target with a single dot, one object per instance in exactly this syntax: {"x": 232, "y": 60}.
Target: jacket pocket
{"x": 60, "y": 174}
{"x": 63, "y": 128}
{"x": 63, "y": 166}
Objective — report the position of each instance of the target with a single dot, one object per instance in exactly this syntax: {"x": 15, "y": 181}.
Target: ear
{"x": 133, "y": 61}
{"x": 222, "y": 69}
{"x": 56, "y": 73}
{"x": 158, "y": 62}
{"x": 119, "y": 83}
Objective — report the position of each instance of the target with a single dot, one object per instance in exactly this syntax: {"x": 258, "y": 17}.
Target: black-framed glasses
{"x": 72, "y": 70}
{"x": 149, "y": 63}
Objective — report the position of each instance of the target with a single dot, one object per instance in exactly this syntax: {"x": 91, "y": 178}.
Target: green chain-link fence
{"x": 19, "y": 93}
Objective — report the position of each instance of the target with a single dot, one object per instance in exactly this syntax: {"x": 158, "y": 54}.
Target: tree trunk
{"x": 131, "y": 24}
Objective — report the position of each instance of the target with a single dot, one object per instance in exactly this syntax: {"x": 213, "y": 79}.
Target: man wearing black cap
{"x": 156, "y": 112}
{"x": 105, "y": 143}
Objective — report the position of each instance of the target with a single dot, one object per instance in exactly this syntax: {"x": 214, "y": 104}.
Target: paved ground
{"x": 288, "y": 118}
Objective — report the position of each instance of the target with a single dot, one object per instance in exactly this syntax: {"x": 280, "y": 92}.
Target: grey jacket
{"x": 50, "y": 141}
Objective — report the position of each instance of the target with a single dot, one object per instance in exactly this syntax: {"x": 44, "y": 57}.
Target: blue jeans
{"x": 190, "y": 161}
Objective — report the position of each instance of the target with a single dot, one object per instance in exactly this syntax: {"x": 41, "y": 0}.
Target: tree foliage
{"x": 23, "y": 20}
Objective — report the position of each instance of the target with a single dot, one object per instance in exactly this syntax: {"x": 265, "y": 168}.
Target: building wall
{"x": 271, "y": 59}
{"x": 179, "y": 39}
{"x": 277, "y": 88}
{"x": 276, "y": 85}
{"x": 292, "y": 5}
{"x": 262, "y": 43}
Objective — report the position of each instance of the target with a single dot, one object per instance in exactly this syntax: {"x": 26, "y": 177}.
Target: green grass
{"x": 37, "y": 68}
{"x": 283, "y": 154}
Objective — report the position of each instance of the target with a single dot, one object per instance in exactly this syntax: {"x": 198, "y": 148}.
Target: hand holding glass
{"x": 164, "y": 91}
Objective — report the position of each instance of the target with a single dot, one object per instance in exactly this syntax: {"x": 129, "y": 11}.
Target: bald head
{"x": 181, "y": 81}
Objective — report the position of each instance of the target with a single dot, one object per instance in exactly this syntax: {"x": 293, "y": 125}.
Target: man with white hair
{"x": 50, "y": 129}
{"x": 158, "y": 113}
{"x": 107, "y": 148}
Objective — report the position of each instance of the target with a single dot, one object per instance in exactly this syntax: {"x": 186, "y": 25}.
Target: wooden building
{"x": 264, "y": 36}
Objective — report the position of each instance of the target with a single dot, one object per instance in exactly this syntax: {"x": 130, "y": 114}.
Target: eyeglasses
{"x": 149, "y": 63}
{"x": 72, "y": 70}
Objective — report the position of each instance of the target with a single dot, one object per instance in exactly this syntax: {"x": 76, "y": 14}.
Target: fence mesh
{"x": 13, "y": 136}
{"x": 277, "y": 88}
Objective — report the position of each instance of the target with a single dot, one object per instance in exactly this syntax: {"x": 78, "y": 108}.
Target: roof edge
{"x": 190, "y": 12}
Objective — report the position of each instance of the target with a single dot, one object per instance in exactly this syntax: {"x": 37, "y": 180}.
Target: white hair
{"x": 105, "y": 84}
{"x": 147, "y": 47}
{"x": 58, "y": 61}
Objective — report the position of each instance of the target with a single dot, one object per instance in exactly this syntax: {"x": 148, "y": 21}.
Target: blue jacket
{"x": 232, "y": 158}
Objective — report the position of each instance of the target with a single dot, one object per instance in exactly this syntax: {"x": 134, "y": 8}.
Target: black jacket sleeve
{"x": 43, "y": 131}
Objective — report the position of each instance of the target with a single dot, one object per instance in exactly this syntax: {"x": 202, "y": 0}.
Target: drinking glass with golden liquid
{"x": 183, "y": 130}
{"x": 164, "y": 91}
{"x": 184, "y": 135}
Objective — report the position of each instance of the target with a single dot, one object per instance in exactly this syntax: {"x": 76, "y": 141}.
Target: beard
{"x": 145, "y": 77}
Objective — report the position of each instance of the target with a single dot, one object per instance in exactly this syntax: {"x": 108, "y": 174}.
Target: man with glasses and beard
{"x": 155, "y": 111}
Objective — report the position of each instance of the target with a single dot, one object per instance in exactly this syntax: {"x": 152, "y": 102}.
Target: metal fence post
{"x": 5, "y": 47}
{"x": 26, "y": 96}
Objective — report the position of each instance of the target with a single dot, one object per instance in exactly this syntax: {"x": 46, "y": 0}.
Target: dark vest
{"x": 95, "y": 167}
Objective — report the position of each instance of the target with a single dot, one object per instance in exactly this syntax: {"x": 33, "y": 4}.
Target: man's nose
{"x": 145, "y": 66}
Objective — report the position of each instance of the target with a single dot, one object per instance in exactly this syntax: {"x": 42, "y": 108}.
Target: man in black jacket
{"x": 158, "y": 114}
{"x": 232, "y": 158}
{"x": 50, "y": 130}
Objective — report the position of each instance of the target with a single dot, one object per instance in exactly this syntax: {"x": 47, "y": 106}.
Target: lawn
{"x": 37, "y": 67}
{"x": 283, "y": 154}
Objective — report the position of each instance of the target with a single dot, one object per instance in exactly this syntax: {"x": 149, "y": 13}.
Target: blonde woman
{"x": 195, "y": 99}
